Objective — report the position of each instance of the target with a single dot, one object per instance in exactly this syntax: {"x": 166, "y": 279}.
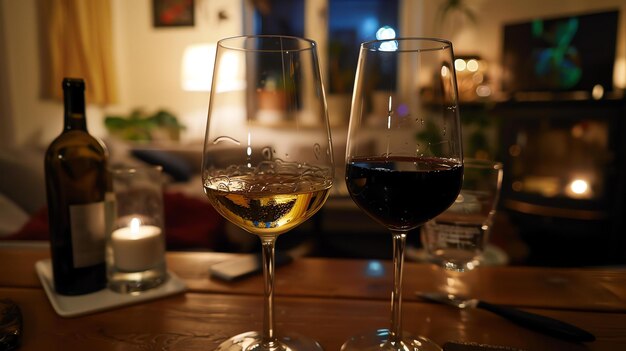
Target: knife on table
{"x": 537, "y": 322}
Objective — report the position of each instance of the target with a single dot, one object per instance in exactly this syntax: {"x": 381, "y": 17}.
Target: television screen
{"x": 562, "y": 54}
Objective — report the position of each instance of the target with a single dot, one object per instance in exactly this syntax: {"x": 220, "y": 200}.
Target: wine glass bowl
{"x": 404, "y": 153}
{"x": 269, "y": 199}
{"x": 267, "y": 161}
{"x": 389, "y": 189}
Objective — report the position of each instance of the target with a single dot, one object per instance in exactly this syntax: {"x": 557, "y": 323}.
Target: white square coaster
{"x": 73, "y": 306}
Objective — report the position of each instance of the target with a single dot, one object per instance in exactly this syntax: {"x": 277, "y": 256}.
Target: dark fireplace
{"x": 564, "y": 183}
{"x": 562, "y": 138}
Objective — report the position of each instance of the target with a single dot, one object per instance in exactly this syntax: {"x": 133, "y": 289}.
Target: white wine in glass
{"x": 267, "y": 163}
{"x": 404, "y": 154}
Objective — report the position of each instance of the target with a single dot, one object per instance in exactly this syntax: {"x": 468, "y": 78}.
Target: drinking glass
{"x": 267, "y": 162}
{"x": 404, "y": 153}
{"x": 455, "y": 240}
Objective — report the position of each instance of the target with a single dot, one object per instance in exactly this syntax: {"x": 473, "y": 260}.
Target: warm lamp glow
{"x": 197, "y": 69}
{"x": 472, "y": 65}
{"x": 460, "y": 65}
{"x": 619, "y": 73}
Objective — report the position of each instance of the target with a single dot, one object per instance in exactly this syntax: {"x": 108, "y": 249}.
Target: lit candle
{"x": 137, "y": 247}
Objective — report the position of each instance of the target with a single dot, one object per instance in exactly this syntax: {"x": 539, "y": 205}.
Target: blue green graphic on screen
{"x": 560, "y": 64}
{"x": 560, "y": 54}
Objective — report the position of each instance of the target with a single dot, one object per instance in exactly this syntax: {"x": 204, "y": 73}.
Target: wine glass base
{"x": 379, "y": 341}
{"x": 251, "y": 341}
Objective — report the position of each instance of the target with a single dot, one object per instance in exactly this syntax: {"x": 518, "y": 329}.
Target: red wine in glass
{"x": 403, "y": 192}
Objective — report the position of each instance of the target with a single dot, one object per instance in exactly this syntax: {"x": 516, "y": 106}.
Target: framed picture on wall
{"x": 173, "y": 13}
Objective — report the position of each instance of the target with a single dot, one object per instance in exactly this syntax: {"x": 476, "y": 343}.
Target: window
{"x": 284, "y": 17}
{"x": 350, "y": 22}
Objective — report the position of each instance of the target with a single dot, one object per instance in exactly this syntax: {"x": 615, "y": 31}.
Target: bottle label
{"x": 88, "y": 233}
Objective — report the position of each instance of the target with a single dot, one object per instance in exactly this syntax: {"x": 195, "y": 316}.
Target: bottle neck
{"x": 75, "y": 122}
{"x": 74, "y": 102}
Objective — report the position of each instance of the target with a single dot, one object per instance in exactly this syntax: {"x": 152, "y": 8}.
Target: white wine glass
{"x": 404, "y": 154}
{"x": 267, "y": 162}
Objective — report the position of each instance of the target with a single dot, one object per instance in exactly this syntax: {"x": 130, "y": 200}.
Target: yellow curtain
{"x": 78, "y": 38}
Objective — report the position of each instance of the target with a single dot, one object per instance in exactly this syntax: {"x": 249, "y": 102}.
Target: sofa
{"x": 190, "y": 221}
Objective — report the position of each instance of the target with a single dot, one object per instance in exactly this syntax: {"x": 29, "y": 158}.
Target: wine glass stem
{"x": 269, "y": 339}
{"x": 399, "y": 243}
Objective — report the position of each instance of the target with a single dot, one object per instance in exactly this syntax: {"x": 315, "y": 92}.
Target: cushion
{"x": 12, "y": 217}
{"x": 22, "y": 177}
{"x": 190, "y": 223}
{"x": 173, "y": 165}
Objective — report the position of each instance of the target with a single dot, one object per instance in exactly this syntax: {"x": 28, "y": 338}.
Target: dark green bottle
{"x": 76, "y": 184}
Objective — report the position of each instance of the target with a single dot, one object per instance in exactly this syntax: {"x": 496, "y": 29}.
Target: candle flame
{"x": 134, "y": 225}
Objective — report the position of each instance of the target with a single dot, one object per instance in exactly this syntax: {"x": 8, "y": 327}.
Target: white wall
{"x": 27, "y": 115}
{"x": 148, "y": 59}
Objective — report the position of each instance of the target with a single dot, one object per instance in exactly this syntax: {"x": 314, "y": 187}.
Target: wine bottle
{"x": 76, "y": 185}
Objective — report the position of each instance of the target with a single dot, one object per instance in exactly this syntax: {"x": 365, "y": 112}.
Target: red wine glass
{"x": 404, "y": 153}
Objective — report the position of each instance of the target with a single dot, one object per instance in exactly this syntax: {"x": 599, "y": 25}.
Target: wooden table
{"x": 327, "y": 299}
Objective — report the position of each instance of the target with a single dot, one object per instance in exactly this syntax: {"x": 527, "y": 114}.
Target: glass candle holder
{"x": 135, "y": 246}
